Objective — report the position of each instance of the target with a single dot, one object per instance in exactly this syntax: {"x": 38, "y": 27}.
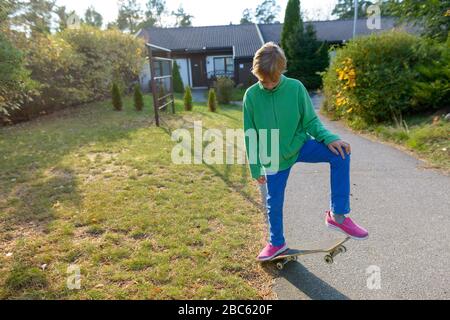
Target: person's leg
{"x": 274, "y": 190}
{"x": 276, "y": 186}
{"x": 316, "y": 152}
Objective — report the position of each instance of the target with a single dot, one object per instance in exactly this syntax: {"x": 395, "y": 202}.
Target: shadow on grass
{"x": 32, "y": 177}
{"x": 36, "y": 201}
{"x": 35, "y": 180}
{"x": 225, "y": 175}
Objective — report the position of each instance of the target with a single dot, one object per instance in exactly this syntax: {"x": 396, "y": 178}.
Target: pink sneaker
{"x": 270, "y": 252}
{"x": 348, "y": 227}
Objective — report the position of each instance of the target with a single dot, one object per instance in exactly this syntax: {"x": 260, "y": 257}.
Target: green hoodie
{"x": 286, "y": 107}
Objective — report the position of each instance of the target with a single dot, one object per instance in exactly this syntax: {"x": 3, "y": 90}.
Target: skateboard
{"x": 293, "y": 254}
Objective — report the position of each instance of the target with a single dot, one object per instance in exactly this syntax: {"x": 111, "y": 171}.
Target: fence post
{"x": 153, "y": 84}
{"x": 171, "y": 83}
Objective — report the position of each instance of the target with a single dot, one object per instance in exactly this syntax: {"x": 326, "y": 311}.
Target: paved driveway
{"x": 406, "y": 209}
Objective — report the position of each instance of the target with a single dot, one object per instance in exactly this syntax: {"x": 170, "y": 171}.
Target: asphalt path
{"x": 404, "y": 205}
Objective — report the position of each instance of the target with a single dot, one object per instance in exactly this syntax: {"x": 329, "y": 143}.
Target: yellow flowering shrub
{"x": 371, "y": 77}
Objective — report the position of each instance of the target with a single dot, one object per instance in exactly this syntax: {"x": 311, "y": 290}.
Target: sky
{"x": 205, "y": 12}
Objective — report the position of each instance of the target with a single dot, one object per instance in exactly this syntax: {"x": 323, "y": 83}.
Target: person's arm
{"x": 311, "y": 122}
{"x": 251, "y": 146}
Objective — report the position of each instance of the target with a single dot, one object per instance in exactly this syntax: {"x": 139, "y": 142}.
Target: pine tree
{"x": 345, "y": 9}
{"x": 267, "y": 11}
{"x": 177, "y": 82}
{"x": 247, "y": 17}
{"x": 35, "y": 16}
{"x": 138, "y": 98}
{"x": 310, "y": 57}
{"x": 305, "y": 54}
{"x": 212, "y": 100}
{"x": 129, "y": 16}
{"x": 62, "y": 17}
{"x": 155, "y": 13}
{"x": 93, "y": 18}
{"x": 292, "y": 21}
{"x": 188, "y": 99}
{"x": 182, "y": 18}
{"x": 116, "y": 98}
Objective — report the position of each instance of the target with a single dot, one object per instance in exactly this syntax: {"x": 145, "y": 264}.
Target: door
{"x": 244, "y": 73}
{"x": 198, "y": 65}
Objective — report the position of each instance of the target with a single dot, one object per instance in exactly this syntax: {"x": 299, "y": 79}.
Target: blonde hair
{"x": 269, "y": 62}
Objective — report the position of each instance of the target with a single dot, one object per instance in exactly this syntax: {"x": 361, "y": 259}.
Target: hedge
{"x": 77, "y": 66}
{"x": 377, "y": 78}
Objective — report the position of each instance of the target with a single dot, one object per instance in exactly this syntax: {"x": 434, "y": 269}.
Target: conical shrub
{"x": 177, "y": 81}
{"x": 188, "y": 99}
{"x": 138, "y": 98}
{"x": 116, "y": 98}
{"x": 212, "y": 100}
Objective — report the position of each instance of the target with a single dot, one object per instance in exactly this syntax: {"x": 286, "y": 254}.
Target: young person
{"x": 280, "y": 103}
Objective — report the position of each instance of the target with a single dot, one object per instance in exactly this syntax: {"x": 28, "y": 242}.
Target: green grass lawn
{"x": 96, "y": 188}
{"x": 429, "y": 139}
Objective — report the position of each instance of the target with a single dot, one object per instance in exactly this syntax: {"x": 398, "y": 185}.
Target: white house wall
{"x": 184, "y": 67}
{"x": 144, "y": 77}
{"x": 185, "y": 73}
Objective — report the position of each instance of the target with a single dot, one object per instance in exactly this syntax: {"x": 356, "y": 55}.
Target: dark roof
{"x": 247, "y": 38}
{"x": 331, "y": 31}
{"x": 244, "y": 38}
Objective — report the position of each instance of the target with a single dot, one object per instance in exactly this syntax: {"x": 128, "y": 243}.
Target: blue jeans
{"x": 311, "y": 152}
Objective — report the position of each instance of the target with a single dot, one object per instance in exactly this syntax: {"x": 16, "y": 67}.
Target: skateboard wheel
{"x": 280, "y": 266}
{"x": 328, "y": 259}
{"x": 342, "y": 249}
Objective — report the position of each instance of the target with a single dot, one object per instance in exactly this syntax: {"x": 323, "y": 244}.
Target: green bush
{"x": 108, "y": 56}
{"x": 309, "y": 57}
{"x": 372, "y": 78}
{"x": 177, "y": 82}
{"x": 15, "y": 83}
{"x": 138, "y": 98}
{"x": 116, "y": 97}
{"x": 57, "y": 67}
{"x": 432, "y": 88}
{"x": 212, "y": 100}
{"x": 224, "y": 87}
{"x": 77, "y": 66}
{"x": 187, "y": 99}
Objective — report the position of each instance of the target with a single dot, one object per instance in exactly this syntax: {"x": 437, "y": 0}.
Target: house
{"x": 203, "y": 53}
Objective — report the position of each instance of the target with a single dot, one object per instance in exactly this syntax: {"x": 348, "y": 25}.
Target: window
{"x": 224, "y": 66}
{"x": 230, "y": 64}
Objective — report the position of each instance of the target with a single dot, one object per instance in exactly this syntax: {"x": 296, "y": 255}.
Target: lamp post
{"x": 356, "y": 18}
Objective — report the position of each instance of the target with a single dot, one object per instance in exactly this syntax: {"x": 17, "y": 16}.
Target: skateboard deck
{"x": 293, "y": 254}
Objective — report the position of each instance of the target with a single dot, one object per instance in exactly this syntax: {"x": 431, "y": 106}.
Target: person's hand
{"x": 262, "y": 180}
{"x": 338, "y": 147}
